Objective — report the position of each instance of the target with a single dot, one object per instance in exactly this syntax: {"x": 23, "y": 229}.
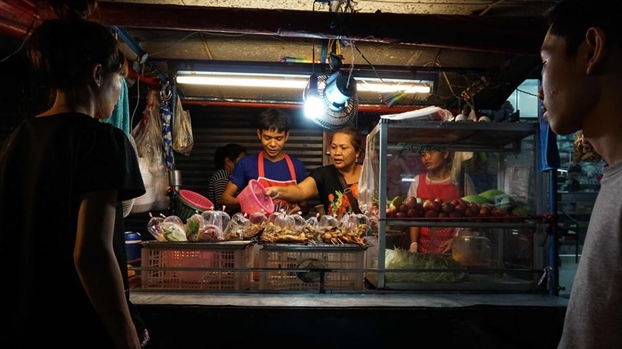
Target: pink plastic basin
{"x": 253, "y": 199}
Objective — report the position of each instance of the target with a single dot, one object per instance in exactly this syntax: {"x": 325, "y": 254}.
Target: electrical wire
{"x": 368, "y": 62}
{"x": 313, "y": 46}
{"x": 351, "y": 70}
{"x": 34, "y": 18}
{"x": 142, "y": 71}
{"x": 173, "y": 44}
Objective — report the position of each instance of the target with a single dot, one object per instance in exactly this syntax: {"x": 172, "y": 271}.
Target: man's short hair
{"x": 274, "y": 120}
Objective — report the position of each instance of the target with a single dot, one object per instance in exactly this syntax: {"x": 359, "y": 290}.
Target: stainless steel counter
{"x": 350, "y": 300}
{"x": 355, "y": 320}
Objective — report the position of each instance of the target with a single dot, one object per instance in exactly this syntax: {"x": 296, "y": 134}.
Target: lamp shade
{"x": 342, "y": 109}
{"x": 339, "y": 89}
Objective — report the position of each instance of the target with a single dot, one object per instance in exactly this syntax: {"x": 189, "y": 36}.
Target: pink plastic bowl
{"x": 253, "y": 199}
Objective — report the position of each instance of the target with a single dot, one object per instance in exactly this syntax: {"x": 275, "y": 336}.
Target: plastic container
{"x": 177, "y": 266}
{"x": 133, "y": 244}
{"x": 189, "y": 203}
{"x": 253, "y": 199}
{"x": 335, "y": 260}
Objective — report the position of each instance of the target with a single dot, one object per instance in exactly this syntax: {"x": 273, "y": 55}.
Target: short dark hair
{"x": 274, "y": 120}
{"x": 230, "y": 151}
{"x": 570, "y": 19}
{"x": 62, "y": 50}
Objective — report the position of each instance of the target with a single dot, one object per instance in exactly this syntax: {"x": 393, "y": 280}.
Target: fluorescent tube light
{"x": 294, "y": 81}
{"x": 408, "y": 86}
{"x": 242, "y": 81}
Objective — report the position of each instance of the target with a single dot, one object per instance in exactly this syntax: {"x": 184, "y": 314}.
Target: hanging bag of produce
{"x": 368, "y": 183}
{"x": 149, "y": 144}
{"x": 183, "y": 140}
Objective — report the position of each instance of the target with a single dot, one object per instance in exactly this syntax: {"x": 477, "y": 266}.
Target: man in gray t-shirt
{"x": 581, "y": 89}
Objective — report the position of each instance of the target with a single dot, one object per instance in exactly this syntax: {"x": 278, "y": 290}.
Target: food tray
{"x": 335, "y": 260}
{"x": 196, "y": 265}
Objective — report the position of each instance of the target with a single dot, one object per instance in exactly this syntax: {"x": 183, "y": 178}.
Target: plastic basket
{"x": 253, "y": 199}
{"x": 178, "y": 265}
{"x": 188, "y": 203}
{"x": 338, "y": 259}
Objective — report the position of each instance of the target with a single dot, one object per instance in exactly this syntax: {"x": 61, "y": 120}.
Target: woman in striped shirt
{"x": 225, "y": 159}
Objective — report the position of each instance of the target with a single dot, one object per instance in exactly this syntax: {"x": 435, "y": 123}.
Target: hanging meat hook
{"x": 165, "y": 92}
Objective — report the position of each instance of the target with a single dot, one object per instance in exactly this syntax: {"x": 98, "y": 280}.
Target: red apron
{"x": 431, "y": 239}
{"x": 267, "y": 182}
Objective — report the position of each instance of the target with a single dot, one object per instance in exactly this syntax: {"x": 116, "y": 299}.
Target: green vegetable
{"x": 491, "y": 194}
{"x": 425, "y": 262}
{"x": 173, "y": 232}
{"x": 192, "y": 230}
{"x": 478, "y": 199}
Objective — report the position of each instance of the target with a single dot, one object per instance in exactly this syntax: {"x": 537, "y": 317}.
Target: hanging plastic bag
{"x": 148, "y": 134}
{"x": 153, "y": 168}
{"x": 128, "y": 204}
{"x": 368, "y": 181}
{"x": 183, "y": 140}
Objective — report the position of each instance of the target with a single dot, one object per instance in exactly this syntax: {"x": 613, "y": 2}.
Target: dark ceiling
{"x": 480, "y": 50}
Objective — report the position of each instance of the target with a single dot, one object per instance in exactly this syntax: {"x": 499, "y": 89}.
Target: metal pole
{"x": 553, "y": 252}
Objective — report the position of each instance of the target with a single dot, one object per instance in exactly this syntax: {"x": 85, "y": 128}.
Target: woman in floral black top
{"x": 324, "y": 181}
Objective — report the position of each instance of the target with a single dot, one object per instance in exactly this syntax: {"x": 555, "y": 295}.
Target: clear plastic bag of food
{"x": 194, "y": 224}
{"x": 328, "y": 222}
{"x": 358, "y": 225}
{"x": 153, "y": 227}
{"x": 174, "y": 219}
{"x": 236, "y": 227}
{"x": 257, "y": 222}
{"x": 298, "y": 222}
{"x": 215, "y": 223}
{"x": 310, "y": 228}
{"x": 173, "y": 231}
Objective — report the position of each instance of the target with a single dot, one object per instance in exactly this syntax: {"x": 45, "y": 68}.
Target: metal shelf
{"x": 459, "y": 224}
{"x": 460, "y": 135}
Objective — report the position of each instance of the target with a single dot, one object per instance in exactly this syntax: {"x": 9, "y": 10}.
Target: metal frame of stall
{"x": 550, "y": 272}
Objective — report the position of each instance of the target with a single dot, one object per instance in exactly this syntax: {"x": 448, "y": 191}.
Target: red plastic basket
{"x": 189, "y": 202}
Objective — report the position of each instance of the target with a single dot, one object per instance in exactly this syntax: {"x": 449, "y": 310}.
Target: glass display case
{"x": 576, "y": 176}
{"x": 578, "y": 184}
{"x": 505, "y": 251}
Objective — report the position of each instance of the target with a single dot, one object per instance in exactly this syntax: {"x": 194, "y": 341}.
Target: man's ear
{"x": 596, "y": 41}
{"x": 286, "y": 136}
{"x": 259, "y": 134}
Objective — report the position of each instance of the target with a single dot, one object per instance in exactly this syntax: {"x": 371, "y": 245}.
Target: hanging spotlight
{"x": 339, "y": 89}
{"x": 313, "y": 105}
{"x": 331, "y": 116}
